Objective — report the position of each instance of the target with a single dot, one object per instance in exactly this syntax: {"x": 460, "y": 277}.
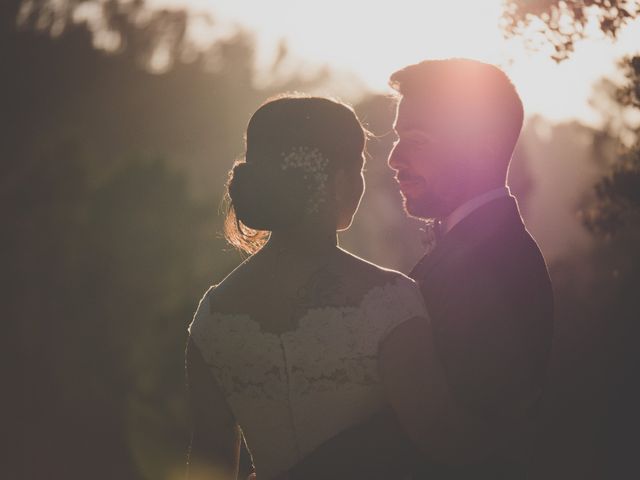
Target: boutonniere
{"x": 430, "y": 235}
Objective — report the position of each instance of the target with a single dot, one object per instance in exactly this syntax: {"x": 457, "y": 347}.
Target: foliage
{"x": 158, "y": 38}
{"x": 596, "y": 292}
{"x": 563, "y": 22}
{"x": 110, "y": 176}
{"x": 617, "y": 196}
{"x": 616, "y": 201}
{"x": 102, "y": 275}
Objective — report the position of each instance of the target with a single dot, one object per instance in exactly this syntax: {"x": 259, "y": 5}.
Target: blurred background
{"x": 119, "y": 120}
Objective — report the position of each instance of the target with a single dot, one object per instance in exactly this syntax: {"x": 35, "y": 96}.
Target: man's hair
{"x": 479, "y": 97}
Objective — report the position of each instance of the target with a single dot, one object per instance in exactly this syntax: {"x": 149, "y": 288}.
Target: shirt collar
{"x": 471, "y": 205}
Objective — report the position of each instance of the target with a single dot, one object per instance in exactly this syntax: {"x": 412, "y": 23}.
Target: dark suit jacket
{"x": 488, "y": 293}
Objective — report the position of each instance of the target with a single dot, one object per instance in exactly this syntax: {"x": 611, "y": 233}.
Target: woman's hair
{"x": 294, "y": 145}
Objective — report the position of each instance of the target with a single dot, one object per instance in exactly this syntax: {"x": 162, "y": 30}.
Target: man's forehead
{"x": 425, "y": 113}
{"x": 412, "y": 114}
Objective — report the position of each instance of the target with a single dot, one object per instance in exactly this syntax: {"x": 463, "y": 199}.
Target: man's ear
{"x": 486, "y": 152}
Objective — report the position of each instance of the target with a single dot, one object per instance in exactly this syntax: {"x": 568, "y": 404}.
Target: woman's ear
{"x": 349, "y": 188}
{"x": 340, "y": 185}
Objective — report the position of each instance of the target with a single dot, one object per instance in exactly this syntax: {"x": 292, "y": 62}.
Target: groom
{"x": 465, "y": 390}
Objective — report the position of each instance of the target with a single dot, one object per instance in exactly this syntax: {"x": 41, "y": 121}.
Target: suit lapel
{"x": 479, "y": 225}
{"x": 430, "y": 260}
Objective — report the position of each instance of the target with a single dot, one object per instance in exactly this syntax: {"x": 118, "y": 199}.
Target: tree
{"x": 562, "y": 22}
{"x": 617, "y": 195}
{"x": 608, "y": 304}
{"x": 110, "y": 176}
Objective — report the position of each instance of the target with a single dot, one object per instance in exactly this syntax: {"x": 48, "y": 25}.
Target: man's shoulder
{"x": 510, "y": 255}
{"x": 494, "y": 236}
{"x": 498, "y": 261}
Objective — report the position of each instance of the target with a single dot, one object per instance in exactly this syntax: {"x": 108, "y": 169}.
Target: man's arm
{"x": 375, "y": 449}
{"x": 443, "y": 429}
{"x": 464, "y": 391}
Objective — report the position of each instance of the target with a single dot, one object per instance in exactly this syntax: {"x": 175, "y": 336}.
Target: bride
{"x": 284, "y": 351}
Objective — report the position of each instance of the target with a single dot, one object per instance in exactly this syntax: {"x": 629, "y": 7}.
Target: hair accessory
{"x": 314, "y": 172}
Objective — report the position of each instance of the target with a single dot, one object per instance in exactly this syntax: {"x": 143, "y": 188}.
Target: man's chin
{"x": 420, "y": 209}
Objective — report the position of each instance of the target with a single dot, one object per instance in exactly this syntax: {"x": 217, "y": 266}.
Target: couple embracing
{"x": 307, "y": 362}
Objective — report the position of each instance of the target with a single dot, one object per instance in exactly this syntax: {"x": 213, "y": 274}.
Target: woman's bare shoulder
{"x": 233, "y": 287}
{"x": 367, "y": 272}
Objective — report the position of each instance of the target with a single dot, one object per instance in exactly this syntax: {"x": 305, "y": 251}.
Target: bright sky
{"x": 372, "y": 39}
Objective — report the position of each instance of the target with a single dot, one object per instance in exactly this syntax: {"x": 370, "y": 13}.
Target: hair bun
{"x": 266, "y": 198}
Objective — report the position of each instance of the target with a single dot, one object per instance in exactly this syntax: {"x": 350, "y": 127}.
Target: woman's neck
{"x": 304, "y": 239}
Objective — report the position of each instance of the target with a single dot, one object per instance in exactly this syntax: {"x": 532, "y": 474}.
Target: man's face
{"x": 425, "y": 159}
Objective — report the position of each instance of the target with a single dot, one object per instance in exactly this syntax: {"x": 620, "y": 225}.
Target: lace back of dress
{"x": 292, "y": 390}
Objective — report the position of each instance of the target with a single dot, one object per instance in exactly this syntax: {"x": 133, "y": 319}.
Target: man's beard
{"x": 426, "y": 206}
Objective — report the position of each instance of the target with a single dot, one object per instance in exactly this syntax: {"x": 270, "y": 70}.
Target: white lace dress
{"x": 292, "y": 391}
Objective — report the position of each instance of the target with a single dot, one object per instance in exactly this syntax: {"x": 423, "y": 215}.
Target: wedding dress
{"x": 291, "y": 391}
